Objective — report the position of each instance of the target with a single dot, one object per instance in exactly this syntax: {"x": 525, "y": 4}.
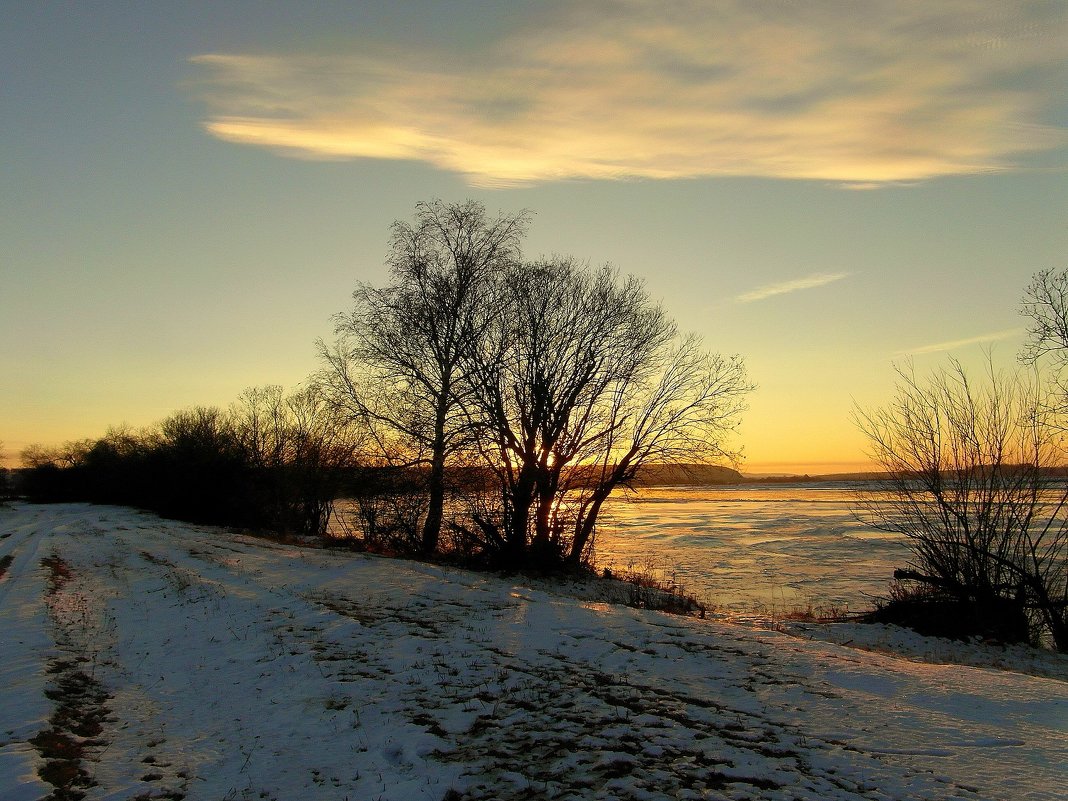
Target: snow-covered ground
{"x": 153, "y": 659}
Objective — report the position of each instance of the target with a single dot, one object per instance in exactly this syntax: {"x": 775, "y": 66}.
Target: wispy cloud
{"x": 859, "y": 93}
{"x": 940, "y": 347}
{"x": 785, "y": 287}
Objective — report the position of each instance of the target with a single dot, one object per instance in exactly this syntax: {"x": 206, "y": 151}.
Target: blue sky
{"x": 190, "y": 190}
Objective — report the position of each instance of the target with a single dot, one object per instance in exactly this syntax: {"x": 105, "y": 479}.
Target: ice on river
{"x": 752, "y": 547}
{"x": 230, "y": 667}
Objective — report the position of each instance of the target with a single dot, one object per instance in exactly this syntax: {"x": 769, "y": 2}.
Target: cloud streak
{"x": 941, "y": 347}
{"x": 786, "y": 287}
{"x": 860, "y": 93}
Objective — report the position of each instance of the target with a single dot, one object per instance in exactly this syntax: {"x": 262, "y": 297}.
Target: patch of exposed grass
{"x": 59, "y": 572}
{"x": 75, "y": 723}
{"x": 648, "y": 590}
{"x": 816, "y": 613}
{"x": 79, "y": 711}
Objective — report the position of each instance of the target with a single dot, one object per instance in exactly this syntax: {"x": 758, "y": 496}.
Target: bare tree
{"x": 559, "y": 381}
{"x": 397, "y": 361}
{"x": 70, "y": 454}
{"x": 298, "y": 451}
{"x": 1045, "y": 302}
{"x": 967, "y": 484}
{"x": 36, "y": 455}
{"x": 679, "y": 412}
{"x": 581, "y": 382}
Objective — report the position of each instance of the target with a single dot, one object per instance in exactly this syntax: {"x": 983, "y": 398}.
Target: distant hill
{"x": 686, "y": 475}
{"x": 1049, "y": 473}
{"x": 812, "y": 479}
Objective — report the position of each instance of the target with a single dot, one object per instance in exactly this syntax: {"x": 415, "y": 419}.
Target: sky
{"x": 189, "y": 190}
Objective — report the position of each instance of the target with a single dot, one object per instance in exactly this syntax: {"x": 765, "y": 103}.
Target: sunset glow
{"x": 821, "y": 188}
{"x": 880, "y": 93}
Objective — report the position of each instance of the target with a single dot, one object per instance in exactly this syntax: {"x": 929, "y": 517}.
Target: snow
{"x": 905, "y": 644}
{"x": 234, "y": 667}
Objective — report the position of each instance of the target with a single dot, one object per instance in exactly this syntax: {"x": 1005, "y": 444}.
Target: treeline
{"x": 7, "y": 482}
{"x": 477, "y": 404}
{"x": 269, "y": 462}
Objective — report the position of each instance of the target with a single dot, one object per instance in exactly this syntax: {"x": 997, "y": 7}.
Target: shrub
{"x": 968, "y": 482}
{"x": 277, "y": 465}
{"x": 934, "y": 613}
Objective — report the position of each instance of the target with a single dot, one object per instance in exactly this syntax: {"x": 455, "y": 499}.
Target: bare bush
{"x": 298, "y": 452}
{"x": 272, "y": 461}
{"x": 968, "y": 469}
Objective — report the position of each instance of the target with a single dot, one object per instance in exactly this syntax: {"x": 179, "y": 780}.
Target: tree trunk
{"x": 436, "y": 486}
{"x": 435, "y": 505}
{"x": 585, "y": 527}
{"x": 522, "y": 498}
{"x": 1059, "y": 629}
{"x": 625, "y": 469}
{"x": 548, "y": 486}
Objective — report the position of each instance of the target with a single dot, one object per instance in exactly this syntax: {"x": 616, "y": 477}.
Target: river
{"x": 751, "y": 548}
{"x": 754, "y": 548}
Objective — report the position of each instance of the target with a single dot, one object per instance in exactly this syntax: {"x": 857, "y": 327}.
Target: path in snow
{"x": 238, "y": 668}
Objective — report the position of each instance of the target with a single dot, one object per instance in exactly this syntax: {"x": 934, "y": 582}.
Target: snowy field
{"x": 143, "y": 658}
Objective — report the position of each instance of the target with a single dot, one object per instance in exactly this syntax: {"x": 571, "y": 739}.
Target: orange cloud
{"x": 864, "y": 93}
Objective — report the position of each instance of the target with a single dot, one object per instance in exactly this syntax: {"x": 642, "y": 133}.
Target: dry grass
{"x": 650, "y": 590}
{"x": 816, "y": 613}
{"x": 59, "y": 573}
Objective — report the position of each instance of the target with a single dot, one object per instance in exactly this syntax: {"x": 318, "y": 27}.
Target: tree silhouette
{"x": 397, "y": 362}
{"x": 581, "y": 381}
{"x": 966, "y": 464}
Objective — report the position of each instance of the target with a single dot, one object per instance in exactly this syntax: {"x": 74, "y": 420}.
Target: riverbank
{"x": 212, "y": 665}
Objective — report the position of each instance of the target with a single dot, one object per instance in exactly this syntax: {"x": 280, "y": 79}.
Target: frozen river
{"x": 752, "y": 547}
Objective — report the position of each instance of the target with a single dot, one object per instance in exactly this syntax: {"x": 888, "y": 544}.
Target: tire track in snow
{"x": 80, "y": 712}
